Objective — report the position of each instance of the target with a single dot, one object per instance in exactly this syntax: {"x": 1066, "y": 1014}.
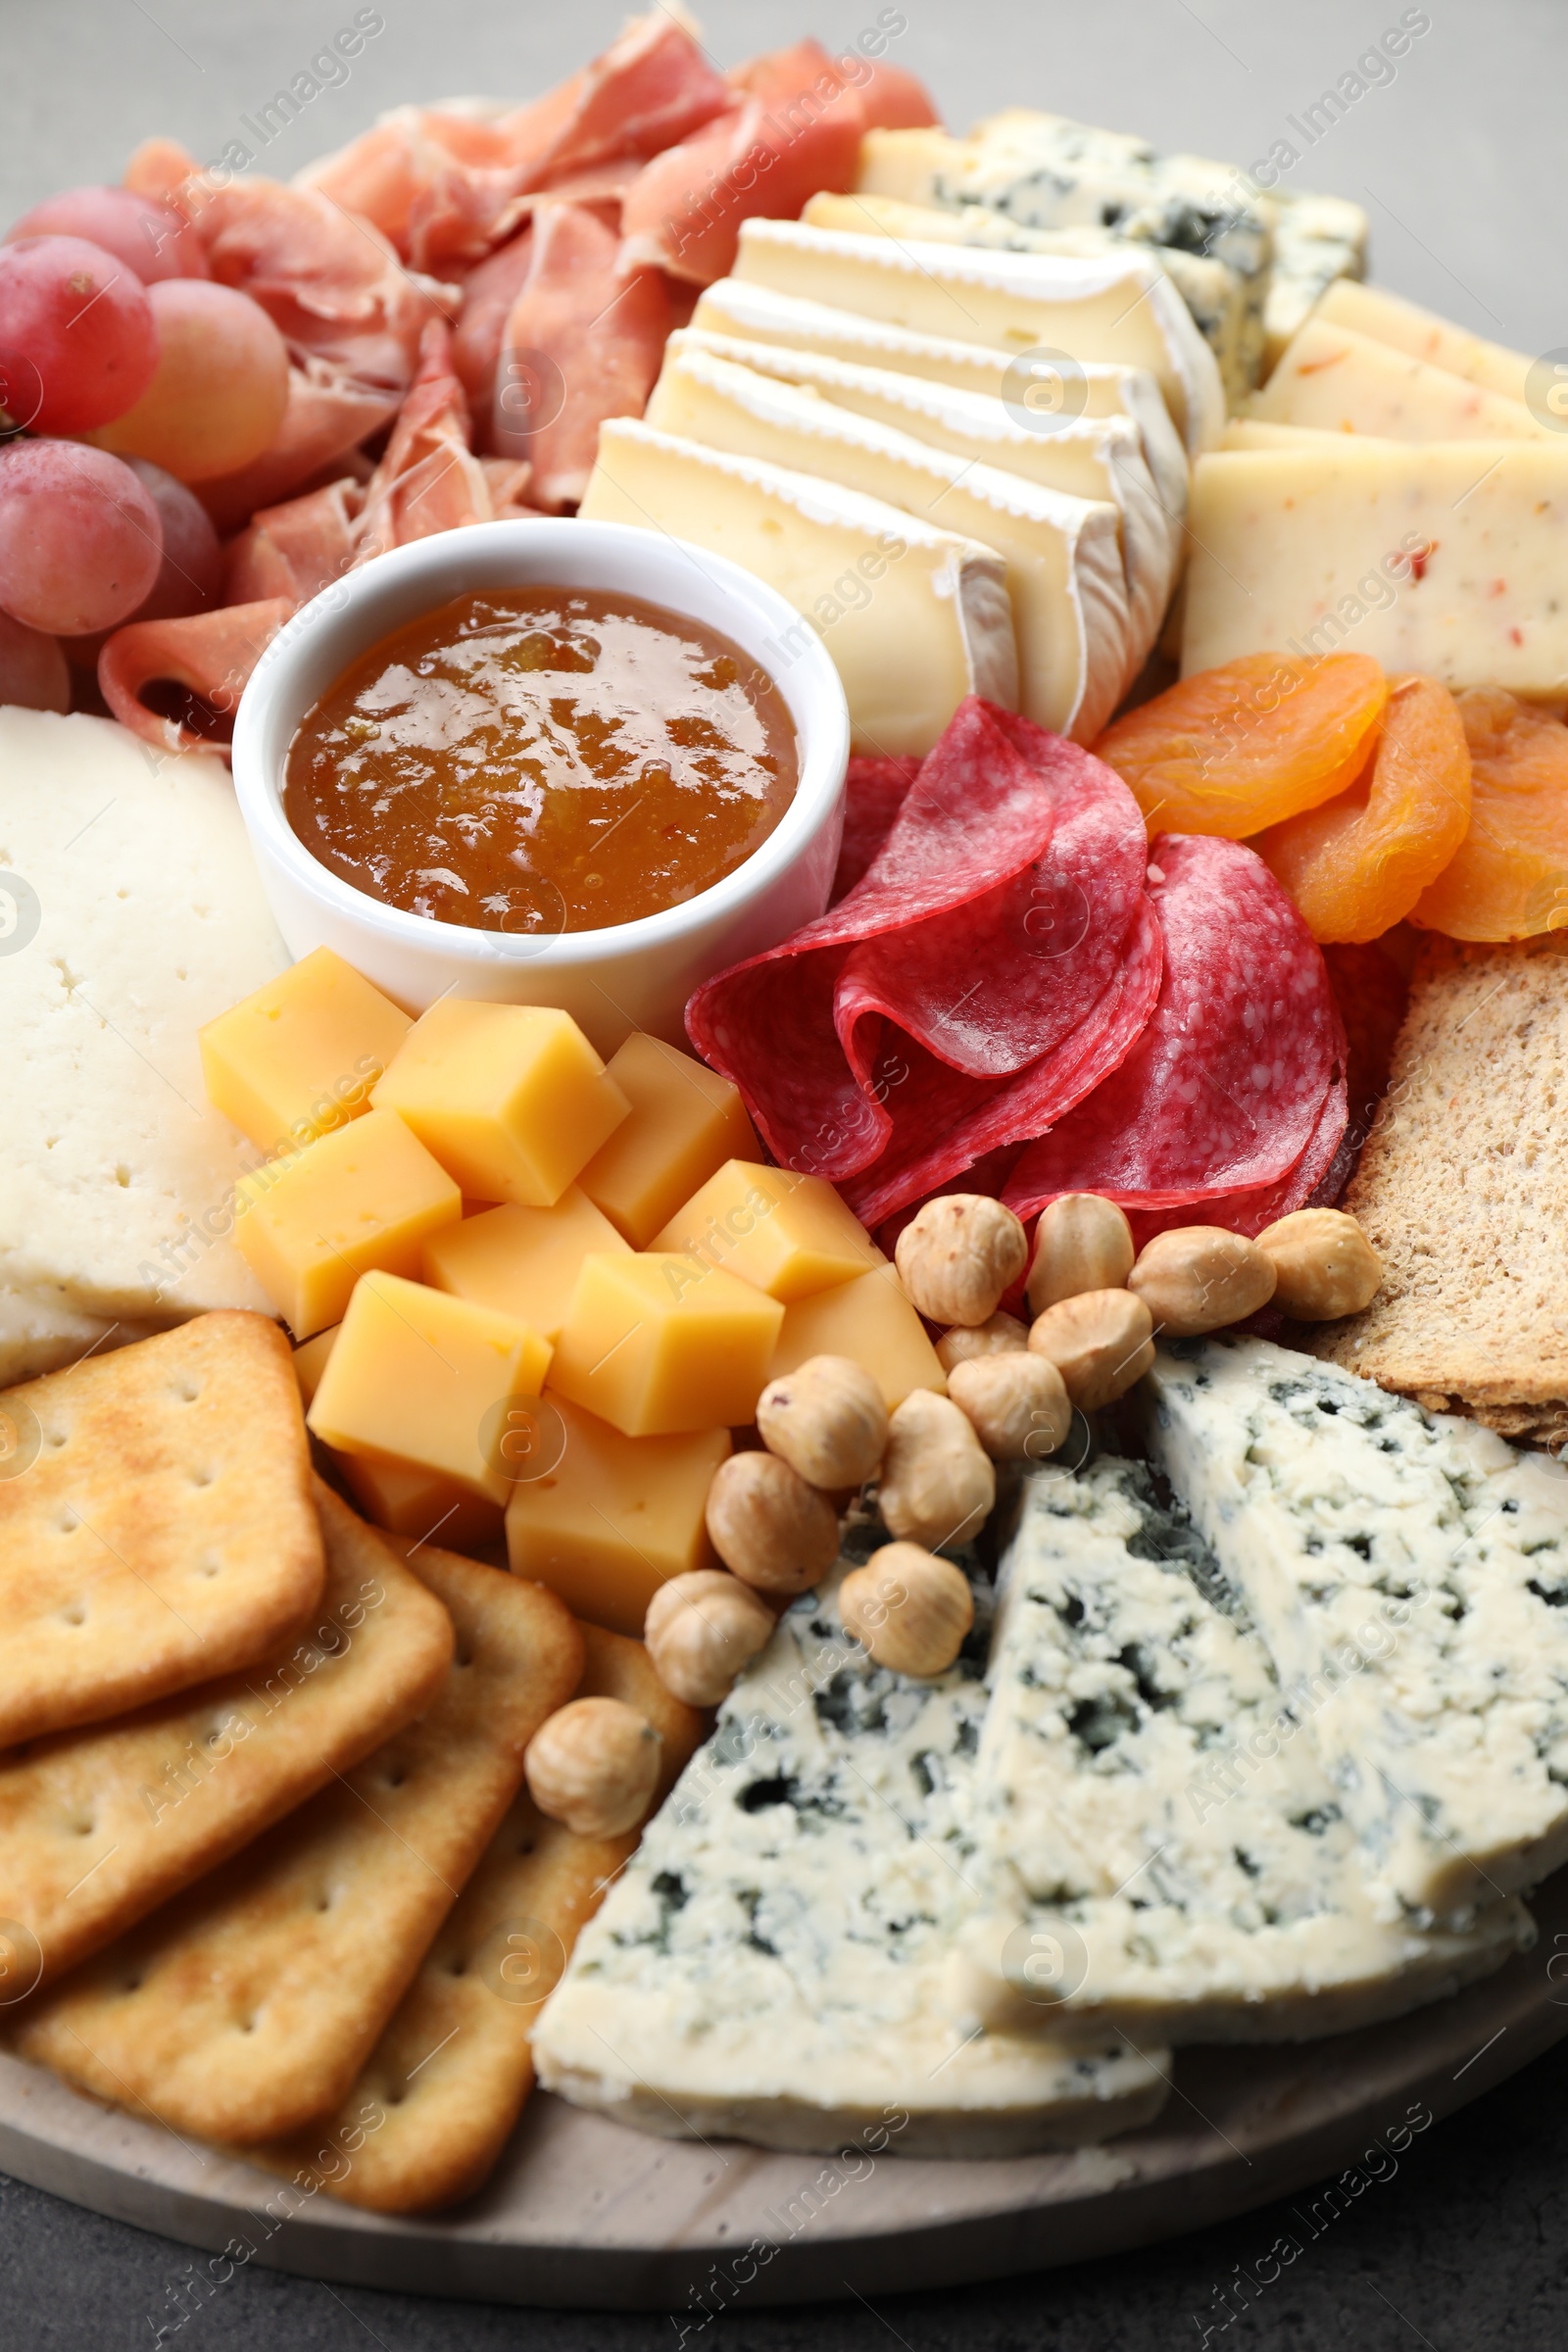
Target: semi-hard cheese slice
{"x": 914, "y": 618}
{"x": 1121, "y": 308}
{"x": 1338, "y": 381}
{"x": 1405, "y": 326}
{"x": 1098, "y": 458}
{"x": 1408, "y": 1573}
{"x": 1443, "y": 557}
{"x": 1064, "y": 555}
{"x": 1091, "y": 388}
{"x": 771, "y": 1964}
{"x": 1162, "y": 1850}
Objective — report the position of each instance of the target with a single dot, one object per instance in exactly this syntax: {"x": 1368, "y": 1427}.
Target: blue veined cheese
{"x": 1319, "y": 243}
{"x": 771, "y": 1964}
{"x": 1410, "y": 1574}
{"x": 1160, "y": 1848}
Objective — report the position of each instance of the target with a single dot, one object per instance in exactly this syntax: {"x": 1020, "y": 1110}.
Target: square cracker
{"x": 157, "y": 1529}
{"x": 98, "y": 1828}
{"x": 249, "y": 2005}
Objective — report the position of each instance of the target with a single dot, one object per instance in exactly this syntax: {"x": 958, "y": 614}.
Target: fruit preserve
{"x": 542, "y": 759}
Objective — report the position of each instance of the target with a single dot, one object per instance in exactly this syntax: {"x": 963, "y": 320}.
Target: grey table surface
{"x": 1459, "y": 154}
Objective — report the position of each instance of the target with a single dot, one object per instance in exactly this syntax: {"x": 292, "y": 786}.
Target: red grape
{"x": 80, "y": 540}
{"x": 151, "y": 239}
{"x": 222, "y": 386}
{"x": 76, "y": 314}
{"x": 190, "y": 577}
{"x": 32, "y": 669}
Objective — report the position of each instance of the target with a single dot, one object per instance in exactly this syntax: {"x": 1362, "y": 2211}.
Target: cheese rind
{"x": 1410, "y": 1574}
{"x": 770, "y": 1963}
{"x": 1335, "y": 379}
{"x": 1149, "y": 1809}
{"x": 914, "y": 618}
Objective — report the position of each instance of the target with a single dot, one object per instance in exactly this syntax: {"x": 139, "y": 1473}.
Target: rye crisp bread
{"x": 156, "y": 1524}
{"x": 99, "y": 1827}
{"x": 249, "y": 2005}
{"x": 439, "y": 2099}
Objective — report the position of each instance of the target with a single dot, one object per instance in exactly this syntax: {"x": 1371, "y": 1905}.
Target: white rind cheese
{"x": 914, "y": 618}
{"x": 1122, "y": 309}
{"x": 1410, "y": 1574}
{"x": 771, "y": 1962}
{"x": 1065, "y": 575}
{"x": 1156, "y": 1837}
{"x": 1337, "y": 380}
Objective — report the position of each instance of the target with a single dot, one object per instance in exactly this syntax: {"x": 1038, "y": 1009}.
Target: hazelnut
{"x": 700, "y": 1629}
{"x": 1100, "y": 1341}
{"x": 937, "y": 1484}
{"x": 1324, "y": 1265}
{"x": 768, "y": 1526}
{"x": 958, "y": 1256}
{"x": 594, "y": 1764}
{"x": 1197, "y": 1278}
{"x": 827, "y": 1419}
{"x": 910, "y": 1609}
{"x": 1019, "y": 1404}
{"x": 997, "y": 1335}
{"x": 1082, "y": 1243}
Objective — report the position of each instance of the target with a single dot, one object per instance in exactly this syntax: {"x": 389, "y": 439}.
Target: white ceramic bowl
{"x": 631, "y": 975}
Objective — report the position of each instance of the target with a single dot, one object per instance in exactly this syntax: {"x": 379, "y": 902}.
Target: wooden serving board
{"x": 586, "y": 2212}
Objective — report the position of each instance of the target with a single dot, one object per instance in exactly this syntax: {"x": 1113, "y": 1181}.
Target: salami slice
{"x": 997, "y": 943}
{"x": 874, "y": 794}
{"x": 1233, "y": 1100}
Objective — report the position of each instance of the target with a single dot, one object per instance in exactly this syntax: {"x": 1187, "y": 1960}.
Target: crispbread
{"x": 1463, "y": 1192}
{"x": 99, "y": 1827}
{"x": 164, "y": 1531}
{"x": 436, "y": 2101}
{"x": 249, "y": 2005}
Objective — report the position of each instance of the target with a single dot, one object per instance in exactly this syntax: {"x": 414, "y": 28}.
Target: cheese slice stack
{"x": 915, "y": 618}
{"x": 1076, "y": 648}
{"x": 1162, "y": 1850}
{"x": 1334, "y": 379}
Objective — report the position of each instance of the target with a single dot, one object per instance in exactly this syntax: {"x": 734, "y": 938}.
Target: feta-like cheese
{"x": 1160, "y": 1849}
{"x": 1410, "y": 1574}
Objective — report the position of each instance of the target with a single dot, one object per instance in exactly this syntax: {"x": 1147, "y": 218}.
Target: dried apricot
{"x": 1235, "y": 748}
{"x": 1509, "y": 879}
{"x": 1359, "y": 865}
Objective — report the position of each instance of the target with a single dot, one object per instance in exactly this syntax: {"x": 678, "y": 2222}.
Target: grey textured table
{"x": 1459, "y": 159}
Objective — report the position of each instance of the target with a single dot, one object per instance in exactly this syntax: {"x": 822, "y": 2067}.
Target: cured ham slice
{"x": 329, "y": 414}
{"x": 488, "y": 294}
{"x": 893, "y": 100}
{"x": 295, "y": 550}
{"x": 194, "y": 670}
{"x": 584, "y": 341}
{"x": 429, "y": 480}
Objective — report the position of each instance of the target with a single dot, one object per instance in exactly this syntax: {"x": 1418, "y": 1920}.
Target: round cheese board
{"x": 582, "y": 2211}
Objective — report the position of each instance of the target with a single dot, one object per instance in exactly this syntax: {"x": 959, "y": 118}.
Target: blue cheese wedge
{"x": 1162, "y": 1852}
{"x": 771, "y": 1964}
{"x": 1410, "y": 1574}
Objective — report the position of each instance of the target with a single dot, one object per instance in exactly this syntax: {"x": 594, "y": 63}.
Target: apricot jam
{"x": 542, "y": 759}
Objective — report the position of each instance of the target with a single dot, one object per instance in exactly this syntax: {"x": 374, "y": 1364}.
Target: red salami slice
{"x": 1233, "y": 1100}
{"x": 998, "y": 945}
{"x": 874, "y": 793}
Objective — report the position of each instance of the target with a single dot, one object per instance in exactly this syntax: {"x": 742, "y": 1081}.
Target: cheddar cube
{"x": 512, "y": 1099}
{"x": 615, "y": 1517}
{"x": 310, "y": 1363}
{"x": 428, "y": 1380}
{"x": 656, "y": 1343}
{"x": 791, "y": 1236}
{"x": 409, "y": 1501}
{"x": 685, "y": 1122}
{"x": 299, "y": 1056}
{"x": 870, "y": 1321}
{"x": 525, "y": 1262}
{"x": 366, "y": 1196}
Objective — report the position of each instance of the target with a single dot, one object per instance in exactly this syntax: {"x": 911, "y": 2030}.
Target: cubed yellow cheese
{"x": 410, "y": 1501}
{"x": 428, "y": 1380}
{"x": 685, "y": 1122}
{"x": 310, "y": 1363}
{"x": 870, "y": 1321}
{"x": 656, "y": 1343}
{"x": 523, "y": 1261}
{"x": 301, "y": 1055}
{"x": 365, "y": 1197}
{"x": 613, "y": 1517}
{"x": 512, "y": 1099}
{"x": 790, "y": 1235}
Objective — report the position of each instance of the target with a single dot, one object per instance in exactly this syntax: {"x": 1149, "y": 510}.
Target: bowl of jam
{"x": 545, "y": 761}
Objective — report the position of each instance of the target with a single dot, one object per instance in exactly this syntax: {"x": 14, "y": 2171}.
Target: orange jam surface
{"x": 542, "y": 759}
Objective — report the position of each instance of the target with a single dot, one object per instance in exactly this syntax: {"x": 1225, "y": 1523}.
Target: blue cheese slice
{"x": 1162, "y": 1852}
{"x": 771, "y": 1964}
{"x": 1410, "y": 1574}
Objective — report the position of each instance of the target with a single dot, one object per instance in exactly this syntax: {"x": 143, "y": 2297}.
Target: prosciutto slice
{"x": 197, "y": 668}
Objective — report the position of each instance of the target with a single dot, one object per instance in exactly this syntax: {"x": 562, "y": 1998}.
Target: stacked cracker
{"x": 268, "y": 1876}
{"x": 1463, "y": 1192}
